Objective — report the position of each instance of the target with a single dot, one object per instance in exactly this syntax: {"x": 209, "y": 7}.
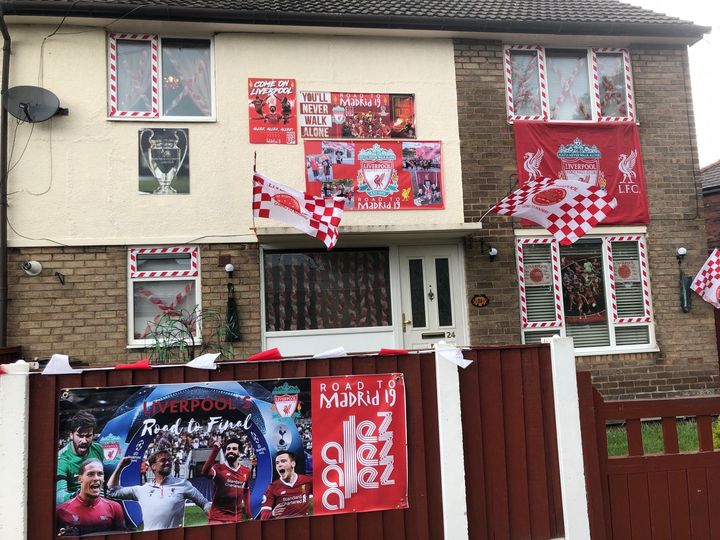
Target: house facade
{"x": 118, "y": 248}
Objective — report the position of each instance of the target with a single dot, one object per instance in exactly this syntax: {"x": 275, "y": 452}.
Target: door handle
{"x": 405, "y": 323}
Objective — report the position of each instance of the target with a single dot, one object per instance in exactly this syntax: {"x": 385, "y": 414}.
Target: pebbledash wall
{"x": 687, "y": 360}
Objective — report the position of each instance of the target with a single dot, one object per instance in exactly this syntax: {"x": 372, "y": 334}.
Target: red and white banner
{"x": 360, "y": 454}
{"x": 377, "y": 175}
{"x": 272, "y": 111}
{"x": 352, "y": 115}
{"x": 707, "y": 280}
{"x": 607, "y": 156}
{"x": 568, "y": 209}
{"x": 316, "y": 216}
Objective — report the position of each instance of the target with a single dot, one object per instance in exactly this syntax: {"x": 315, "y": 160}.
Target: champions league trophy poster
{"x": 153, "y": 457}
{"x": 163, "y": 161}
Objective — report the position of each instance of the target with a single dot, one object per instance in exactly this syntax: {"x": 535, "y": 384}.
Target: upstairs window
{"x": 595, "y": 291}
{"x": 163, "y": 78}
{"x": 586, "y": 85}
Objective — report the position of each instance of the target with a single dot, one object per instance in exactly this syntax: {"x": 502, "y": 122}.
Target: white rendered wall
{"x": 77, "y": 182}
{"x": 14, "y": 409}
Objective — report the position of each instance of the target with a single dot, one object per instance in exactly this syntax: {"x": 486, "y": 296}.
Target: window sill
{"x": 617, "y": 350}
{"x": 168, "y": 119}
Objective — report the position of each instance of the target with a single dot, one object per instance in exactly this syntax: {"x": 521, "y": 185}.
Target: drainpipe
{"x": 4, "y": 183}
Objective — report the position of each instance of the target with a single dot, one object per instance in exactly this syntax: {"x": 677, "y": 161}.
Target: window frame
{"x": 614, "y": 320}
{"x": 136, "y": 276}
{"x": 593, "y": 82}
{"x": 155, "y": 114}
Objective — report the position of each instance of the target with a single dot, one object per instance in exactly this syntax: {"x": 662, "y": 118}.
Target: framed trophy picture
{"x": 163, "y": 161}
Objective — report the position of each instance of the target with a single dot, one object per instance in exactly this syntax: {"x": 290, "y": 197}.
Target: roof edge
{"x": 689, "y": 31}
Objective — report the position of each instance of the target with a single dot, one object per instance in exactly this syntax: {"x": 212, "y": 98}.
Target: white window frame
{"x": 615, "y": 320}
{"x": 136, "y": 276}
{"x": 155, "y": 114}
{"x": 593, "y": 75}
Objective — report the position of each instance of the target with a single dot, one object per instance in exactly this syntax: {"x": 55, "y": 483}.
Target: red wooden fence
{"x": 510, "y": 444}
{"x": 667, "y": 496}
{"x": 422, "y": 521}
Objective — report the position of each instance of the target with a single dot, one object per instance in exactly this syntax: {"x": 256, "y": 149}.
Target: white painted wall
{"x": 77, "y": 182}
{"x": 14, "y": 409}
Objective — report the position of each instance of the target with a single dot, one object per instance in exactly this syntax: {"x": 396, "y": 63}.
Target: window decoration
{"x": 163, "y": 281}
{"x": 153, "y": 77}
{"x": 596, "y": 291}
{"x": 568, "y": 84}
{"x": 319, "y": 290}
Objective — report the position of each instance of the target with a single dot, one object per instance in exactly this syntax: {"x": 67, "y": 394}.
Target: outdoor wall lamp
{"x": 684, "y": 282}
{"x": 492, "y": 253}
{"x": 229, "y": 268}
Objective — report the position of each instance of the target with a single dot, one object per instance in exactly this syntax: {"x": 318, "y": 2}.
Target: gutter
{"x": 691, "y": 32}
{"x": 4, "y": 182}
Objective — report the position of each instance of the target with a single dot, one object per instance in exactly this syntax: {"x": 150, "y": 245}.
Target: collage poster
{"x": 272, "y": 111}
{"x": 352, "y": 115}
{"x": 141, "y": 458}
{"x": 371, "y": 175}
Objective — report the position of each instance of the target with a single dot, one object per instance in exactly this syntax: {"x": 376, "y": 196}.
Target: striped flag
{"x": 707, "y": 280}
{"x": 316, "y": 216}
{"x": 568, "y": 209}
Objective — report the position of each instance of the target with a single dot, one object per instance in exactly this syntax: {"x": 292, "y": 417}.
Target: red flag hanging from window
{"x": 316, "y": 216}
{"x": 603, "y": 155}
{"x": 568, "y": 209}
{"x": 707, "y": 280}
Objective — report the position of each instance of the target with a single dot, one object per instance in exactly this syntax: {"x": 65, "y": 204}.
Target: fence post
{"x": 14, "y": 412}
{"x": 569, "y": 439}
{"x": 452, "y": 458}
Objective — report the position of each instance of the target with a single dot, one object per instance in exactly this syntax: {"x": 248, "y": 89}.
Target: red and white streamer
{"x": 557, "y": 291}
{"x": 191, "y": 272}
{"x": 629, "y": 98}
{"x": 644, "y": 277}
{"x": 540, "y": 52}
{"x": 115, "y": 111}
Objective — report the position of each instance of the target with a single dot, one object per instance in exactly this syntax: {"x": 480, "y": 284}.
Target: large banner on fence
{"x": 371, "y": 175}
{"x": 140, "y": 458}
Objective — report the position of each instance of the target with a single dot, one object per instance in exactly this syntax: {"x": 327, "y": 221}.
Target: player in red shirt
{"x": 88, "y": 512}
{"x": 231, "y": 501}
{"x": 289, "y": 495}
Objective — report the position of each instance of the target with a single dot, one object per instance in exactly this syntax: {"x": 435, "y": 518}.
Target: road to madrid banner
{"x": 140, "y": 458}
{"x": 272, "y": 111}
{"x": 372, "y": 175}
{"x": 352, "y": 115}
{"x": 605, "y": 155}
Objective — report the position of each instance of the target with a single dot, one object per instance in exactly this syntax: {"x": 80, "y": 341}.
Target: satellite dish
{"x": 32, "y": 103}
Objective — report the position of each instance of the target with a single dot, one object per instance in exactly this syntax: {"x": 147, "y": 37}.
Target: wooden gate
{"x": 510, "y": 443}
{"x": 422, "y": 521}
{"x": 666, "y": 496}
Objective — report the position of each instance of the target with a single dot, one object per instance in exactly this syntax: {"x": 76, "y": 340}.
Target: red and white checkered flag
{"x": 316, "y": 216}
{"x": 707, "y": 281}
{"x": 566, "y": 208}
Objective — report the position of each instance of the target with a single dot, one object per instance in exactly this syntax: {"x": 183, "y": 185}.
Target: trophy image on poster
{"x": 163, "y": 152}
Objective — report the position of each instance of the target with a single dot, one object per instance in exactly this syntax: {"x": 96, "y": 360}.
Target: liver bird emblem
{"x": 533, "y": 162}
{"x": 627, "y": 167}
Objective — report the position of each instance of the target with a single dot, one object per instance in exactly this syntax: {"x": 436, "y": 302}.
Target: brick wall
{"x": 663, "y": 103}
{"x": 711, "y": 203}
{"x": 488, "y": 167}
{"x": 86, "y": 317}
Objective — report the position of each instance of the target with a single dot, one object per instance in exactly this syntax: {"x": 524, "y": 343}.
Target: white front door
{"x": 432, "y": 289}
